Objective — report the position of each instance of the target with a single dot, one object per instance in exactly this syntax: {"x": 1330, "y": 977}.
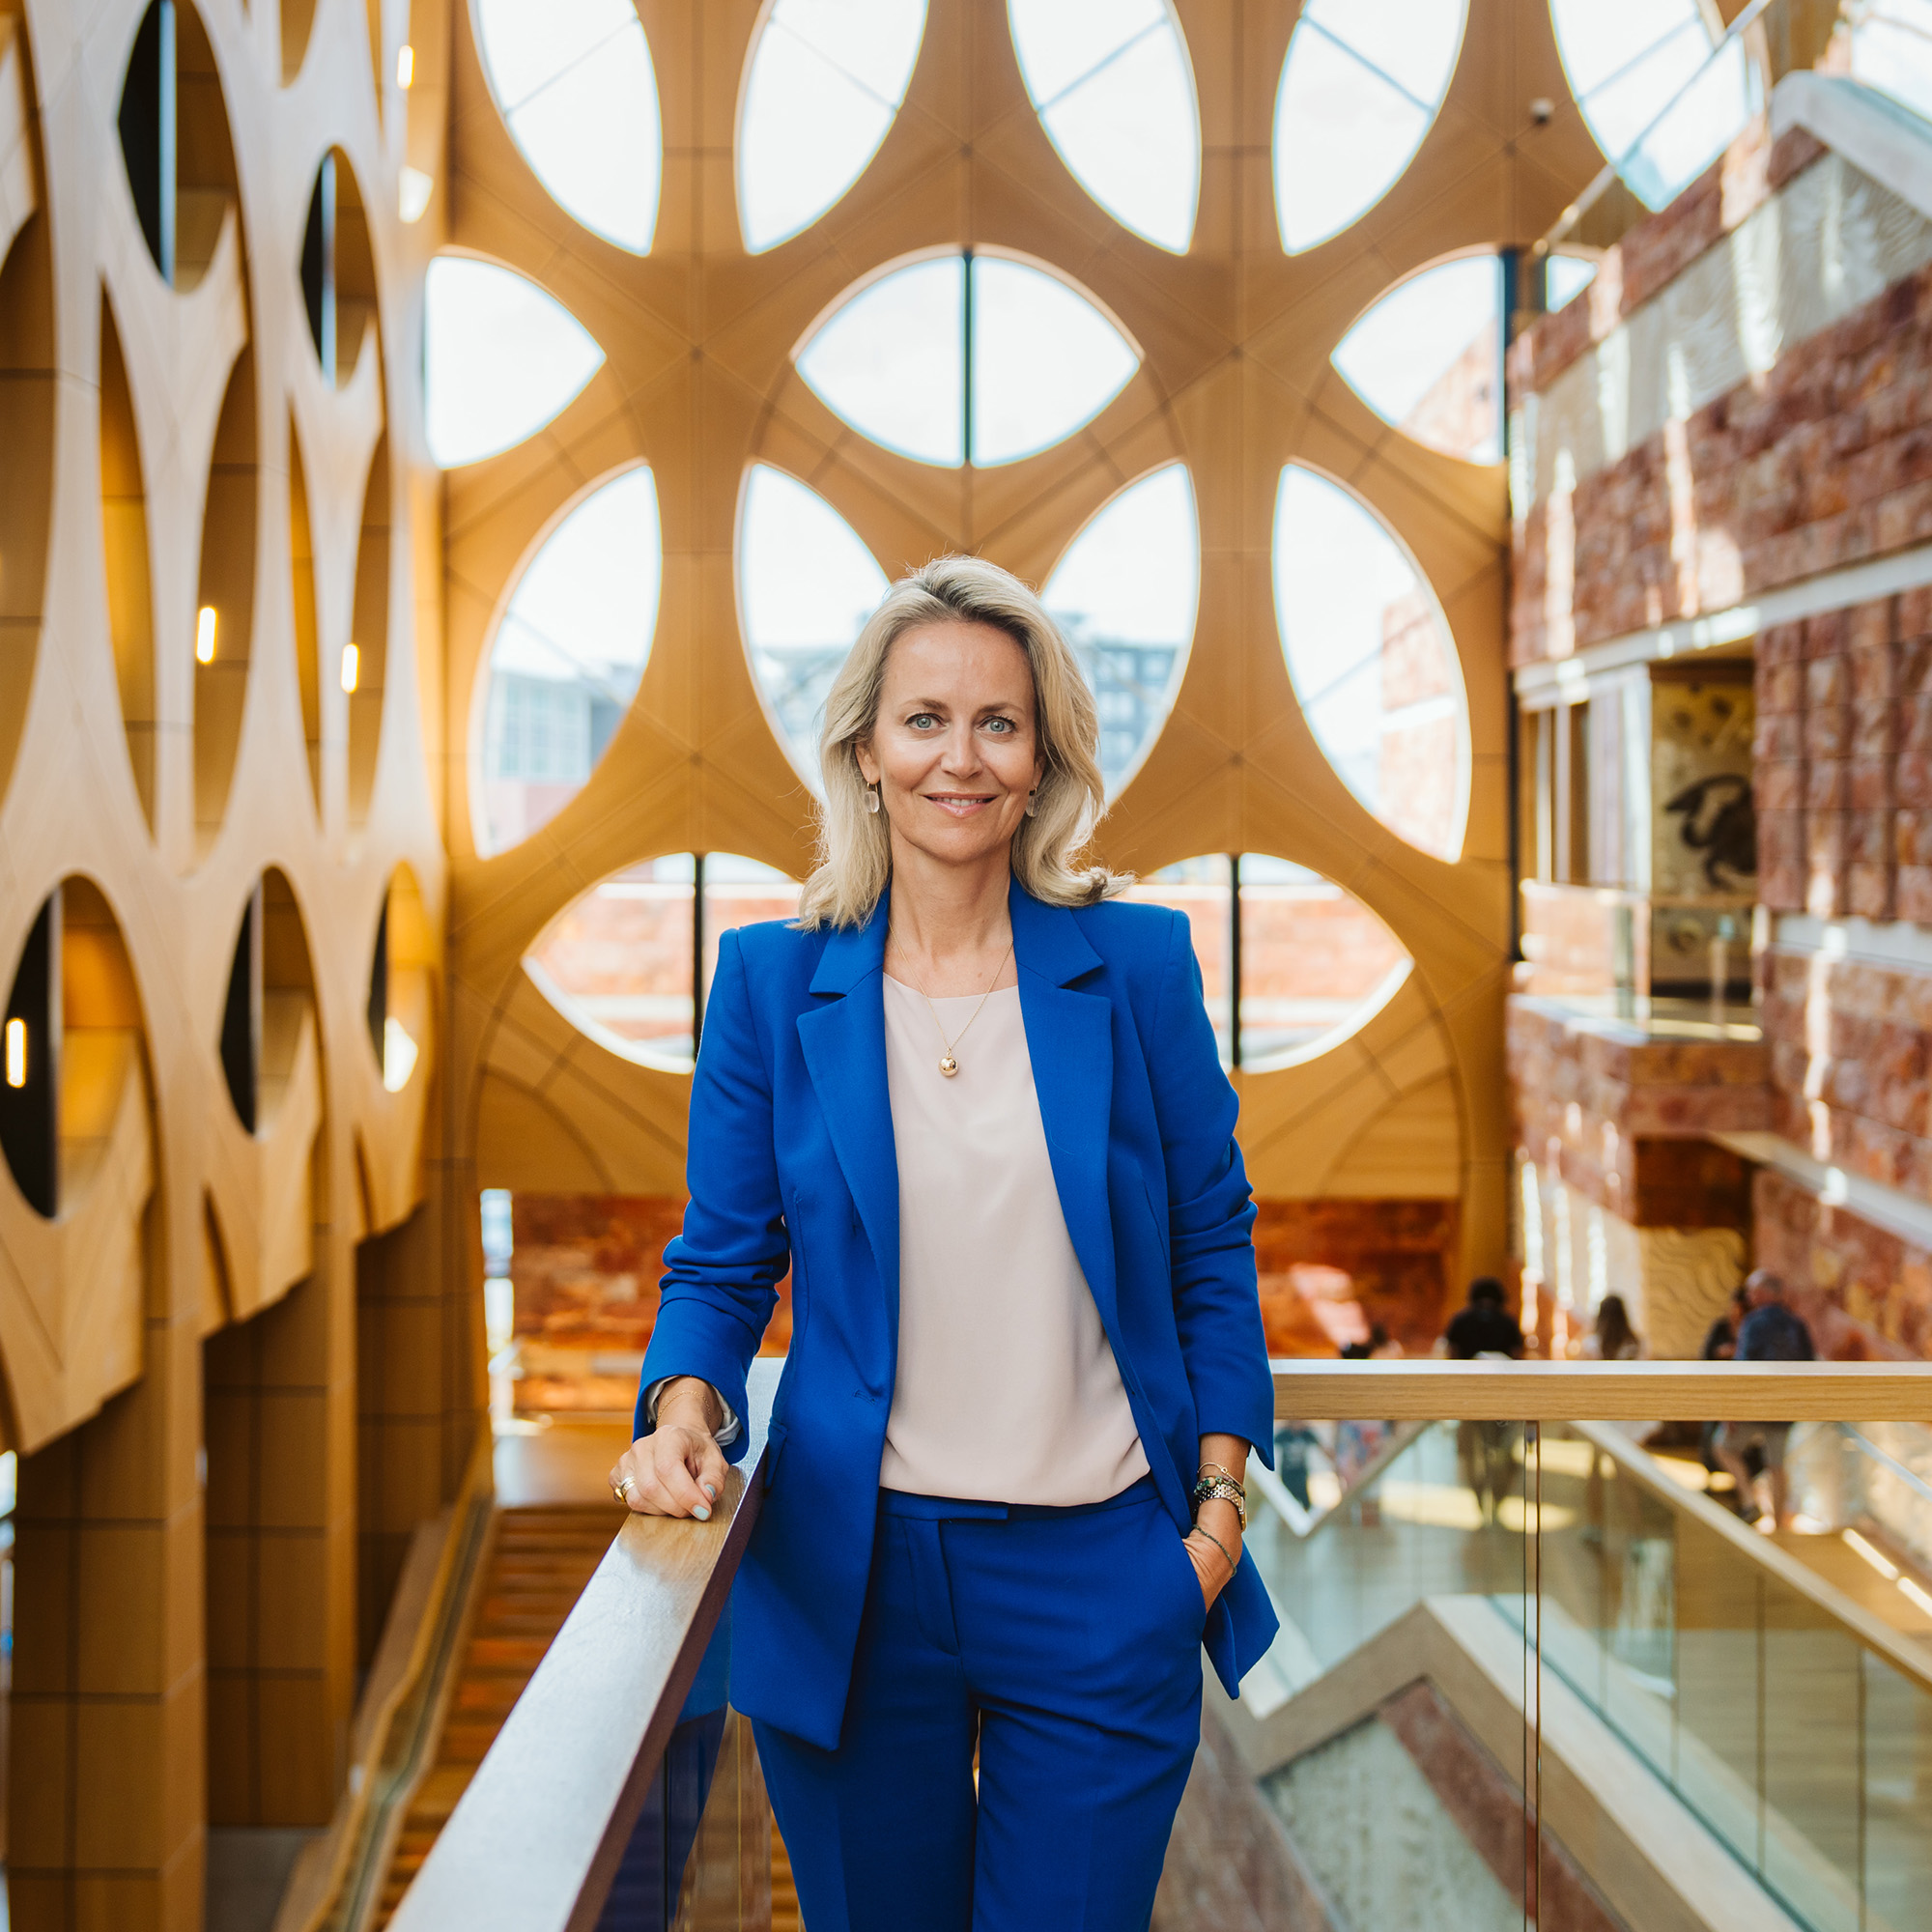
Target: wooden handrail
{"x": 535, "y": 1840}
{"x": 1603, "y": 1391}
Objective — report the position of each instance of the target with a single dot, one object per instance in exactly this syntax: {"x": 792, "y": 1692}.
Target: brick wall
{"x": 1850, "y": 1059}
{"x": 1845, "y": 760}
{"x": 1396, "y": 1259}
{"x": 1587, "y": 1094}
{"x": 1825, "y": 461}
{"x": 1866, "y": 1293}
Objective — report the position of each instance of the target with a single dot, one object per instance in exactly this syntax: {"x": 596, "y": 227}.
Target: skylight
{"x": 1427, "y": 357}
{"x": 1111, "y": 82}
{"x": 567, "y": 657}
{"x": 1371, "y": 661}
{"x": 805, "y": 586}
{"x": 1125, "y": 596}
{"x": 500, "y": 358}
{"x": 1626, "y": 63}
{"x": 572, "y": 81}
{"x": 824, "y": 87}
{"x": 1360, "y": 88}
{"x": 892, "y": 360}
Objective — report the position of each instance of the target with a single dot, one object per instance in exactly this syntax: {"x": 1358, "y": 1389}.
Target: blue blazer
{"x": 791, "y": 1162}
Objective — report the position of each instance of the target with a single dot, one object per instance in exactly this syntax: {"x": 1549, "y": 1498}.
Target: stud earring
{"x": 1033, "y": 802}
{"x": 872, "y": 798}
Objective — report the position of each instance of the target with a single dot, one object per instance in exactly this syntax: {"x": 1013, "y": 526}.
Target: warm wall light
{"x": 352, "y": 667}
{"x": 405, "y": 65}
{"x": 17, "y": 1053}
{"x": 413, "y": 188}
{"x": 398, "y": 1054}
{"x": 1918, "y": 1596}
{"x": 203, "y": 635}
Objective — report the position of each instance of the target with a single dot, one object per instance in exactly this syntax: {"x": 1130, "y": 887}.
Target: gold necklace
{"x": 949, "y": 1064}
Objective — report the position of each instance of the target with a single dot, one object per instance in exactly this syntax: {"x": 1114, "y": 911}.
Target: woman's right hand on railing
{"x": 679, "y": 1469}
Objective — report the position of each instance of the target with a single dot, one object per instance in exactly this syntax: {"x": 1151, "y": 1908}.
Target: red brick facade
{"x": 1588, "y": 1094}
{"x": 1845, "y": 760}
{"x": 1866, "y": 1293}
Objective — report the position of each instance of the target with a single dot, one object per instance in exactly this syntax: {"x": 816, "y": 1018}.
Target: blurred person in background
{"x": 1485, "y": 1451}
{"x": 1772, "y": 1332}
{"x": 1612, "y": 1338}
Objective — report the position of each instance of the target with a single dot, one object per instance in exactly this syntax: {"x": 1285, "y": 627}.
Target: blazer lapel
{"x": 843, "y": 1040}
{"x": 1070, "y": 1041}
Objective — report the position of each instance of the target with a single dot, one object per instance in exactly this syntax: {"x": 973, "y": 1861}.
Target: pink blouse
{"x": 1007, "y": 1390}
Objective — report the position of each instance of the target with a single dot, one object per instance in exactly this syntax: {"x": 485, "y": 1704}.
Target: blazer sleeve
{"x": 722, "y": 1273}
{"x": 1210, "y": 1212}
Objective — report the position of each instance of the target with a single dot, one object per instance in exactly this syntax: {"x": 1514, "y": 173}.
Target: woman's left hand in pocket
{"x": 1214, "y": 1546}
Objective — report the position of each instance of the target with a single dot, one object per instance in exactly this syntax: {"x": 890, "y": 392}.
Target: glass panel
{"x": 1315, "y": 962}
{"x": 1897, "y": 1776}
{"x": 1891, "y": 49}
{"x": 1360, "y": 89}
{"x": 1044, "y": 360}
{"x": 567, "y": 657}
{"x": 1124, "y": 595}
{"x": 500, "y": 358}
{"x": 1114, "y": 93}
{"x": 1394, "y": 1513}
{"x": 572, "y": 81}
{"x": 805, "y": 586}
{"x": 826, "y": 81}
{"x": 618, "y": 963}
{"x": 1371, "y": 661}
{"x": 891, "y": 361}
{"x": 1427, "y": 357}
{"x": 1566, "y": 277}
{"x": 1624, "y": 64}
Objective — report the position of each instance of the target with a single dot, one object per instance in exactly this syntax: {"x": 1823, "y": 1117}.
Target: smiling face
{"x": 955, "y": 748}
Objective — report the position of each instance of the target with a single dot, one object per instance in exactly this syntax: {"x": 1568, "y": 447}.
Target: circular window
{"x": 892, "y": 360}
{"x": 822, "y": 90}
{"x": 1291, "y": 964}
{"x": 630, "y": 962}
{"x": 567, "y": 657}
{"x": 1371, "y": 662}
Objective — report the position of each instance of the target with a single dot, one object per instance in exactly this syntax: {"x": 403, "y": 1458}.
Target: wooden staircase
{"x": 542, "y": 1558}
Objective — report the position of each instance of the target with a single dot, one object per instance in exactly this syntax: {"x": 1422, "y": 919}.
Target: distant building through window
{"x": 1291, "y": 964}
{"x": 630, "y": 961}
{"x": 567, "y": 657}
{"x": 1371, "y": 662}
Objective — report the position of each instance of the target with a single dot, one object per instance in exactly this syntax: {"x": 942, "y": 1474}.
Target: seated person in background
{"x": 1612, "y": 1338}
{"x": 1484, "y": 1326}
{"x": 1772, "y": 1332}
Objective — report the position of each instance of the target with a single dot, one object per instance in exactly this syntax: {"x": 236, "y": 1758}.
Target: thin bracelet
{"x": 1197, "y": 1530}
{"x": 1218, "y": 1470}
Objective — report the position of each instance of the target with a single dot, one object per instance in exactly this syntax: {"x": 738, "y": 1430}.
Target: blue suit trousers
{"x": 1066, "y": 1645}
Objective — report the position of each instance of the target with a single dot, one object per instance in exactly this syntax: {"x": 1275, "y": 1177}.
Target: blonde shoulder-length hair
{"x": 854, "y": 846}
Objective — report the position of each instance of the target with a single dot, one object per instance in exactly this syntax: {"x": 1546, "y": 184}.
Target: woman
{"x": 973, "y": 1102}
{"x": 1612, "y": 1338}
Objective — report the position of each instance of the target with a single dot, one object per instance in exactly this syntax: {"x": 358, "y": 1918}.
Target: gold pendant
{"x": 949, "y": 1066}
